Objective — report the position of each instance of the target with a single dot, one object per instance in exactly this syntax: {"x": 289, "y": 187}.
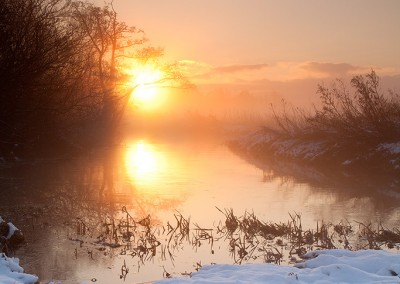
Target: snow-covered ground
{"x": 324, "y": 266}
{"x": 12, "y": 273}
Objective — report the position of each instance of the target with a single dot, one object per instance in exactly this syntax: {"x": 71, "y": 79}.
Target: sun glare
{"x": 149, "y": 170}
{"x": 142, "y": 162}
{"x": 146, "y": 81}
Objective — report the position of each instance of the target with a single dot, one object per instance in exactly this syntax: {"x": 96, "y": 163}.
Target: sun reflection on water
{"x": 143, "y": 162}
{"x": 151, "y": 170}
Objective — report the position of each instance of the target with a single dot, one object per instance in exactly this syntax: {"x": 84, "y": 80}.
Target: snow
{"x": 10, "y": 270}
{"x": 294, "y": 148}
{"x": 12, "y": 273}
{"x": 11, "y": 230}
{"x": 322, "y": 266}
{"x": 393, "y": 148}
{"x": 347, "y": 162}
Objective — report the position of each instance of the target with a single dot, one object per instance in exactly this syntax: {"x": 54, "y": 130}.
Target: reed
{"x": 245, "y": 237}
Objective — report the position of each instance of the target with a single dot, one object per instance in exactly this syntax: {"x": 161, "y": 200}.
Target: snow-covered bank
{"x": 10, "y": 270}
{"x": 319, "y": 151}
{"x": 323, "y": 266}
{"x": 12, "y": 273}
{"x": 10, "y": 236}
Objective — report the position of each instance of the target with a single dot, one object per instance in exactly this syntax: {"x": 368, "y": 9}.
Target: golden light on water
{"x": 142, "y": 162}
{"x": 150, "y": 169}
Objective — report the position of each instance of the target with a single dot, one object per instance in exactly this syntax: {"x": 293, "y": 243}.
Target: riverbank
{"x": 348, "y": 132}
{"x": 10, "y": 270}
{"x": 323, "y": 153}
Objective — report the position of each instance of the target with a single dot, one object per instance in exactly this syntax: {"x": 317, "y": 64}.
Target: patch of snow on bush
{"x": 11, "y": 230}
{"x": 393, "y": 148}
{"x": 257, "y": 138}
{"x": 296, "y": 149}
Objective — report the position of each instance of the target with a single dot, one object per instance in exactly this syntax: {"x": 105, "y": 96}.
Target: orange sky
{"x": 264, "y": 42}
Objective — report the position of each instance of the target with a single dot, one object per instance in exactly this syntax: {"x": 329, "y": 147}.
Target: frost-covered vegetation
{"x": 357, "y": 128}
{"x": 367, "y": 114}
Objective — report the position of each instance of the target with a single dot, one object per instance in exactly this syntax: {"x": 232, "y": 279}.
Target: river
{"x": 59, "y": 204}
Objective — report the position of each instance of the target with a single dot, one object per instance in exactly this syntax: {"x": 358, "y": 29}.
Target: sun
{"x": 146, "y": 81}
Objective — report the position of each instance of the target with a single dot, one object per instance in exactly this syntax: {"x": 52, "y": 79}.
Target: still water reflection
{"x": 161, "y": 178}
{"x": 156, "y": 171}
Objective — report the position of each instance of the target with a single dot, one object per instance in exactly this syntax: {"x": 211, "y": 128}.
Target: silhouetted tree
{"x": 35, "y": 48}
{"x": 107, "y": 40}
{"x": 62, "y": 79}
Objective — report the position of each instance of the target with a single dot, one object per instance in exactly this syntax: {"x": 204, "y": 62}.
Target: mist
{"x": 230, "y": 109}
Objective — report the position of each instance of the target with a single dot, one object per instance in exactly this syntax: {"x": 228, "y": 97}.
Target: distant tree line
{"x": 61, "y": 81}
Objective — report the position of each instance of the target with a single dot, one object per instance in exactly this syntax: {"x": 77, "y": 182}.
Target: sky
{"x": 256, "y": 45}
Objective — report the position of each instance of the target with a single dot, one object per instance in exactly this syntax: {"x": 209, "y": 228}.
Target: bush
{"x": 367, "y": 113}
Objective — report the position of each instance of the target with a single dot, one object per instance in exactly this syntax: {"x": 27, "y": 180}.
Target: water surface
{"x": 161, "y": 179}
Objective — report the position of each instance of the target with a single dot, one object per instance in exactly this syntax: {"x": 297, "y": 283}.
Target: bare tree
{"x": 108, "y": 40}
{"x": 35, "y": 48}
{"x": 62, "y": 77}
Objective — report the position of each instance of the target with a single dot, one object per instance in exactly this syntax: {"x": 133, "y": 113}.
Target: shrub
{"x": 367, "y": 113}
